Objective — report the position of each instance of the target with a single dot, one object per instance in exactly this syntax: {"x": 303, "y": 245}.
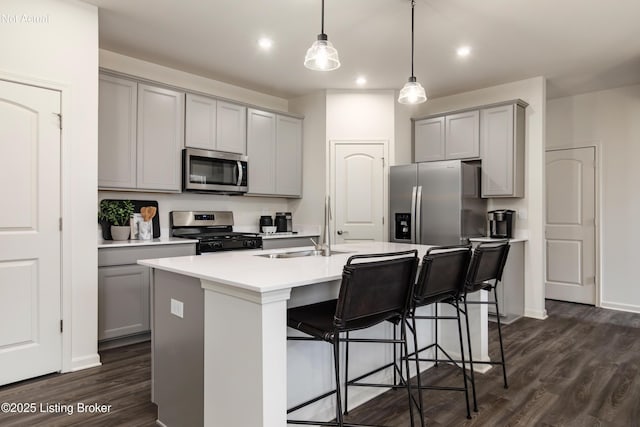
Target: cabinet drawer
{"x": 126, "y": 255}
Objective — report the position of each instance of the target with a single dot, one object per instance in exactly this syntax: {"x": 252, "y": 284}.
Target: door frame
{"x": 65, "y": 206}
{"x": 331, "y": 179}
{"x": 597, "y": 210}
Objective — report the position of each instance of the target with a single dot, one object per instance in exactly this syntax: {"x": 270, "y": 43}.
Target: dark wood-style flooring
{"x": 580, "y": 367}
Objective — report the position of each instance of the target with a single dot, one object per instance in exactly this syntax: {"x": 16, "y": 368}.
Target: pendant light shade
{"x": 412, "y": 92}
{"x": 322, "y": 56}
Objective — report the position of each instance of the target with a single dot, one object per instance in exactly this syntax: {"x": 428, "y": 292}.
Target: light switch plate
{"x": 177, "y": 308}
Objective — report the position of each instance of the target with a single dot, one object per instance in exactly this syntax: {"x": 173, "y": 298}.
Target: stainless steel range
{"x": 213, "y": 230}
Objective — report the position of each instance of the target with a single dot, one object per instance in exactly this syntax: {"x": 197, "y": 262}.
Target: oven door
{"x": 214, "y": 171}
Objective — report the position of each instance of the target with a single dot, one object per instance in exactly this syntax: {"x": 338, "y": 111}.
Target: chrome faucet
{"x": 325, "y": 241}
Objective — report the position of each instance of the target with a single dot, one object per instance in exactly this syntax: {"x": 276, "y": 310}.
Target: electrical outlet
{"x": 522, "y": 214}
{"x": 177, "y": 308}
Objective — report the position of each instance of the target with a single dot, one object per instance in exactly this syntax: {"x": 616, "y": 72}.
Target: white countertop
{"x": 493, "y": 239}
{"x": 162, "y": 240}
{"x": 243, "y": 269}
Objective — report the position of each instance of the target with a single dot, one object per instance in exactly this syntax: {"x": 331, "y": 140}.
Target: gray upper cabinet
{"x": 117, "y": 132}
{"x": 231, "y": 130}
{"x": 449, "y": 137}
{"x": 140, "y": 135}
{"x": 429, "y": 139}
{"x": 463, "y": 135}
{"x": 261, "y": 149}
{"x": 288, "y": 156}
{"x": 160, "y": 138}
{"x": 212, "y": 124}
{"x": 200, "y": 122}
{"x": 274, "y": 147}
{"x": 502, "y": 147}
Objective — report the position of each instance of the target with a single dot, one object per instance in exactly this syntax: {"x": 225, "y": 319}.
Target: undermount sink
{"x": 298, "y": 254}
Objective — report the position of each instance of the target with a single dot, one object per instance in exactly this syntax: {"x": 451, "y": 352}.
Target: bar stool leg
{"x": 403, "y": 334}
{"x": 435, "y": 321}
{"x": 415, "y": 347}
{"x": 346, "y": 375}
{"x": 464, "y": 372}
{"x": 395, "y": 357}
{"x": 473, "y": 378}
{"x": 336, "y": 365}
{"x": 504, "y": 367}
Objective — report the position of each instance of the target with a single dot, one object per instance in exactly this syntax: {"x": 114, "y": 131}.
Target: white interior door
{"x": 570, "y": 229}
{"x": 30, "y": 337}
{"x": 358, "y": 190}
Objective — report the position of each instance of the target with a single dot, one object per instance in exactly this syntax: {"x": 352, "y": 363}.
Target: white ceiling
{"x": 579, "y": 45}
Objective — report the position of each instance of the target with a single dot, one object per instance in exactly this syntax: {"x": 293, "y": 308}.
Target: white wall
{"x": 62, "y": 52}
{"x": 609, "y": 120}
{"x": 309, "y": 209}
{"x": 532, "y": 205}
{"x": 148, "y": 70}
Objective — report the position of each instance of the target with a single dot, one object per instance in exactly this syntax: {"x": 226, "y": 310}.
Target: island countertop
{"x": 247, "y": 270}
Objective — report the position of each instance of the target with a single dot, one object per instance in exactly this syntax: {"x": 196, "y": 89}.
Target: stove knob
{"x": 250, "y": 243}
{"x": 217, "y": 245}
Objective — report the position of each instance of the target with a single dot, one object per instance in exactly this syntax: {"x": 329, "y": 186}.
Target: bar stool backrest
{"x": 375, "y": 290}
{"x": 487, "y": 263}
{"x": 442, "y": 274}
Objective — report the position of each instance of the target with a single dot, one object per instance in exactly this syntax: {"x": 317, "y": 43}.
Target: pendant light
{"x": 412, "y": 92}
{"x": 322, "y": 56}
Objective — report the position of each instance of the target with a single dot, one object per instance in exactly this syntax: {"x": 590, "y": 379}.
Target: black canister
{"x": 281, "y": 223}
{"x": 265, "y": 221}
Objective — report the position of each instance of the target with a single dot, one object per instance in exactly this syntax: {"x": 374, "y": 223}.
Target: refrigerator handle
{"x": 413, "y": 214}
{"x": 418, "y": 206}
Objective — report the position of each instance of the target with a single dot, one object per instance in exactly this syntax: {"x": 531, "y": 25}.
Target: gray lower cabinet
{"x": 288, "y": 242}
{"x": 123, "y": 291}
{"x": 274, "y": 147}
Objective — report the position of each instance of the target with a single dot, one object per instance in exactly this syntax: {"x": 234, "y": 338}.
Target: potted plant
{"x": 117, "y": 213}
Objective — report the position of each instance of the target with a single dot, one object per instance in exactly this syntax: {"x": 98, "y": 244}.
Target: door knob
{"x": 339, "y": 232}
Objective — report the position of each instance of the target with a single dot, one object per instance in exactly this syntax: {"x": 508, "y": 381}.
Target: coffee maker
{"x": 284, "y": 222}
{"x": 501, "y": 223}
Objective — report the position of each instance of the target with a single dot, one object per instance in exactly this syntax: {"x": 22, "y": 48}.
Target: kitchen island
{"x": 220, "y": 353}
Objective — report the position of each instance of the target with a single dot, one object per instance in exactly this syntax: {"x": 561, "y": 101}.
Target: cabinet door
{"x": 200, "y": 122}
{"x": 231, "y": 132}
{"x": 288, "y": 156}
{"x": 261, "y": 149}
{"x": 497, "y": 144}
{"x": 463, "y": 135}
{"x": 117, "y": 132}
{"x": 429, "y": 140}
{"x": 123, "y": 301}
{"x": 160, "y": 138}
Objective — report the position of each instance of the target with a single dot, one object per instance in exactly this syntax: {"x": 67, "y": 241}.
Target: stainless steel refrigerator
{"x": 436, "y": 203}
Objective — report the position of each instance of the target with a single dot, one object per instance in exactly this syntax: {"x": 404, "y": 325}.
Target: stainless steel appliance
{"x": 284, "y": 222}
{"x": 214, "y": 171}
{"x": 436, "y": 203}
{"x": 501, "y": 223}
{"x": 212, "y": 229}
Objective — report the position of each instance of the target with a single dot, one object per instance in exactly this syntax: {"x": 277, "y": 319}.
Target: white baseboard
{"x": 631, "y": 308}
{"x": 85, "y": 362}
{"x": 535, "y": 314}
{"x": 481, "y": 368}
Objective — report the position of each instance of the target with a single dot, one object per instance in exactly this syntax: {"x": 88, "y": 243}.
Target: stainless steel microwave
{"x": 214, "y": 171}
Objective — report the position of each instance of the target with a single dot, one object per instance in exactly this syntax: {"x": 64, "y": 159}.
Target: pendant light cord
{"x": 322, "y": 19}
{"x": 413, "y": 4}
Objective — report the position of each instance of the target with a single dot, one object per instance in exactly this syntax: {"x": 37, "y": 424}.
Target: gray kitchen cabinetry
{"x": 448, "y": 137}
{"x": 212, "y": 124}
{"x": 141, "y": 132}
{"x": 123, "y": 291}
{"x": 274, "y": 147}
{"x": 288, "y": 242}
{"x": 502, "y": 150}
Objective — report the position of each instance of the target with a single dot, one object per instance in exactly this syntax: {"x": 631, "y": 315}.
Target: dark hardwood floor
{"x": 580, "y": 367}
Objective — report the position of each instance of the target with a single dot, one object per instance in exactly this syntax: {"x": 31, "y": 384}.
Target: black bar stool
{"x": 441, "y": 281}
{"x": 485, "y": 273}
{"x": 374, "y": 288}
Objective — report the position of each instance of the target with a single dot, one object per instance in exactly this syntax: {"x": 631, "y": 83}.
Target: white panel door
{"x": 570, "y": 229}
{"x": 359, "y": 191}
{"x": 30, "y": 338}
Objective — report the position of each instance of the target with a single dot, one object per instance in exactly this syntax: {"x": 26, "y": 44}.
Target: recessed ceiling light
{"x": 463, "y": 51}
{"x": 265, "y": 43}
{"x": 361, "y": 80}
